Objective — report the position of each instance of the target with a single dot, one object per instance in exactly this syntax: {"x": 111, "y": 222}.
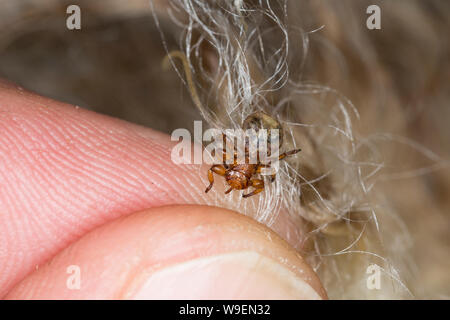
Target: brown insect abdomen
{"x": 236, "y": 180}
{"x": 239, "y": 176}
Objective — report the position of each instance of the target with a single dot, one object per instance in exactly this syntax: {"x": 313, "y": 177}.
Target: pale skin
{"x": 83, "y": 189}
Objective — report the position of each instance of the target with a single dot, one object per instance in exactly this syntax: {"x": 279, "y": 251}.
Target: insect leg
{"x": 217, "y": 168}
{"x": 289, "y": 153}
{"x": 272, "y": 177}
{"x": 258, "y": 184}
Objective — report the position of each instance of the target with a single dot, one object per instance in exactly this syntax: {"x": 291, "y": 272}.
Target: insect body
{"x": 240, "y": 176}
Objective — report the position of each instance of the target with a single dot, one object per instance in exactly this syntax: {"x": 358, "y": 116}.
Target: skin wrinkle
{"x": 97, "y": 170}
{"x": 118, "y": 176}
{"x": 53, "y": 196}
{"x": 29, "y": 223}
{"x": 155, "y": 172}
{"x": 40, "y": 182}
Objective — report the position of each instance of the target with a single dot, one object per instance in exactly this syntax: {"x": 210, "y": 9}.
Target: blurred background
{"x": 397, "y": 77}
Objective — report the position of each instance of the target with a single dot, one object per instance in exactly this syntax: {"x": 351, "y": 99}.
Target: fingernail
{"x": 238, "y": 275}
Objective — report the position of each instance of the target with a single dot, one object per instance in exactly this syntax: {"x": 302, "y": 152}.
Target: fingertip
{"x": 176, "y": 252}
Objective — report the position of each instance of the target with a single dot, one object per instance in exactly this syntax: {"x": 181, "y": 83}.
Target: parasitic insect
{"x": 240, "y": 176}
